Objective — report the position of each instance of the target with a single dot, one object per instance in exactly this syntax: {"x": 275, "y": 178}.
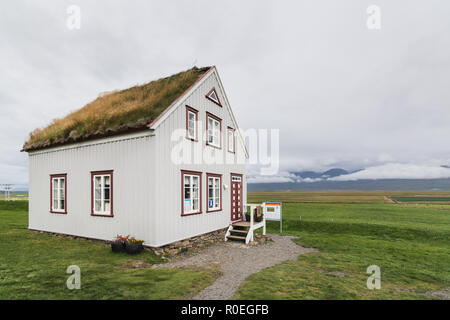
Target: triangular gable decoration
{"x": 212, "y": 95}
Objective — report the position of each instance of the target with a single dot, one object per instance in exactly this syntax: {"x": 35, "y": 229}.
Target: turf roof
{"x": 116, "y": 112}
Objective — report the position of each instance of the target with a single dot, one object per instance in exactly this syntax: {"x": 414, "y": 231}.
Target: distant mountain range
{"x": 335, "y": 172}
{"x": 358, "y": 185}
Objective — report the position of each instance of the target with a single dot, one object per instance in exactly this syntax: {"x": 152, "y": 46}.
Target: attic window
{"x": 191, "y": 124}
{"x": 212, "y": 95}
{"x": 214, "y": 131}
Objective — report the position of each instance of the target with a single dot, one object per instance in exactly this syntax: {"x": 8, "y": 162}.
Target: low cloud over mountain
{"x": 379, "y": 172}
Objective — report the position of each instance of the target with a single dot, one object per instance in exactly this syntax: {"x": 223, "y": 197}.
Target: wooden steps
{"x": 238, "y": 231}
{"x": 240, "y": 238}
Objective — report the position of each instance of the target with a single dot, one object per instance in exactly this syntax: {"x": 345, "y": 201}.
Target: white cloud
{"x": 397, "y": 171}
{"x": 269, "y": 179}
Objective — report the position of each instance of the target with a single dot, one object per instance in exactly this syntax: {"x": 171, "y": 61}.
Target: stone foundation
{"x": 175, "y": 248}
{"x": 191, "y": 243}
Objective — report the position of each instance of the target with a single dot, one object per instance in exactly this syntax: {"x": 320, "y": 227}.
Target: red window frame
{"x": 218, "y": 99}
{"x": 111, "y": 195}
{"x": 214, "y": 175}
{"x": 234, "y": 140}
{"x": 194, "y": 173}
{"x": 60, "y": 175}
{"x": 190, "y": 109}
{"x": 207, "y": 130}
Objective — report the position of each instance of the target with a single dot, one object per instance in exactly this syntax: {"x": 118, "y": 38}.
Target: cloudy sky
{"x": 341, "y": 94}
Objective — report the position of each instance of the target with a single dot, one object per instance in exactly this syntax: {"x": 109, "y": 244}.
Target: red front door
{"x": 236, "y": 197}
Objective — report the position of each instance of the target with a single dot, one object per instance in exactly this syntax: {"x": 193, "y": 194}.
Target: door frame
{"x": 231, "y": 195}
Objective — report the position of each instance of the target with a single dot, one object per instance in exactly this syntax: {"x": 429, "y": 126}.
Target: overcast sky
{"x": 341, "y": 94}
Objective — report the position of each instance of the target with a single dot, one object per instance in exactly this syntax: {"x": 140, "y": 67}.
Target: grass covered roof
{"x": 116, "y": 112}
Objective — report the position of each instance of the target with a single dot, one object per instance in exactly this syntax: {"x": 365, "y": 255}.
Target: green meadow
{"x": 409, "y": 242}
{"x": 33, "y": 266}
{"x": 410, "y": 245}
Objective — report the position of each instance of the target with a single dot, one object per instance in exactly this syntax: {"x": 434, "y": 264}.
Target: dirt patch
{"x": 443, "y": 294}
{"x": 237, "y": 261}
{"x": 334, "y": 273}
{"x": 137, "y": 264}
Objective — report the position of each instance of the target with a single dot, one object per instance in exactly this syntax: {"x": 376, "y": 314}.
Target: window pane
{"x": 97, "y": 194}
{"x": 98, "y": 205}
{"x": 55, "y": 204}
{"x": 106, "y": 194}
{"x": 195, "y": 206}
{"x": 61, "y": 204}
{"x": 195, "y": 194}
{"x": 195, "y": 181}
{"x": 187, "y": 193}
{"x": 107, "y": 206}
{"x": 107, "y": 181}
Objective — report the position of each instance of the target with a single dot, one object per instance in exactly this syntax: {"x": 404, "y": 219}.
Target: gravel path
{"x": 237, "y": 261}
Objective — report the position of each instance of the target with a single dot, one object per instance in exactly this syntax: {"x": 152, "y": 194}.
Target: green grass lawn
{"x": 410, "y": 245}
{"x": 33, "y": 266}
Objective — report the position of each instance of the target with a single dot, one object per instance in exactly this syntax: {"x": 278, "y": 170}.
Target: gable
{"x": 221, "y": 97}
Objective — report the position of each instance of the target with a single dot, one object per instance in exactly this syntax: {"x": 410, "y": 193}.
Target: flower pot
{"x": 117, "y": 246}
{"x": 134, "y": 248}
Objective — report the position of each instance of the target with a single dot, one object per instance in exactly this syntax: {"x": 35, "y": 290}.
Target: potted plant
{"x": 119, "y": 243}
{"x": 257, "y": 216}
{"x": 134, "y": 246}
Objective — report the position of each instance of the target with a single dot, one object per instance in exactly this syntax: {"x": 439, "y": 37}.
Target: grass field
{"x": 410, "y": 245}
{"x": 33, "y": 266}
{"x": 409, "y": 241}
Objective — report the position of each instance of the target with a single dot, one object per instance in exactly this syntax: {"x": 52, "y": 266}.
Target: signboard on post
{"x": 272, "y": 211}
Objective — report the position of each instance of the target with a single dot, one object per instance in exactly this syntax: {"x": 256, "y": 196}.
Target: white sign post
{"x": 272, "y": 211}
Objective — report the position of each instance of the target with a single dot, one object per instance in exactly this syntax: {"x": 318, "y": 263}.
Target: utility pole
{"x": 7, "y": 188}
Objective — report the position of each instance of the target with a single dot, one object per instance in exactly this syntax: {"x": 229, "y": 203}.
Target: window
{"x": 214, "y": 130}
{"x": 58, "y": 186}
{"x": 191, "y": 185}
{"x": 102, "y": 193}
{"x": 214, "y": 192}
{"x": 230, "y": 138}
{"x": 191, "y": 123}
{"x": 212, "y": 95}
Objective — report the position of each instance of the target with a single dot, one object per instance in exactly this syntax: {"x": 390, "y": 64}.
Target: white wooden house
{"x": 137, "y": 178}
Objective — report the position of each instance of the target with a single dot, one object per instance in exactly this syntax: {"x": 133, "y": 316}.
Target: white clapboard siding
{"x": 147, "y": 182}
{"x": 132, "y": 162}
{"x": 170, "y": 225}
